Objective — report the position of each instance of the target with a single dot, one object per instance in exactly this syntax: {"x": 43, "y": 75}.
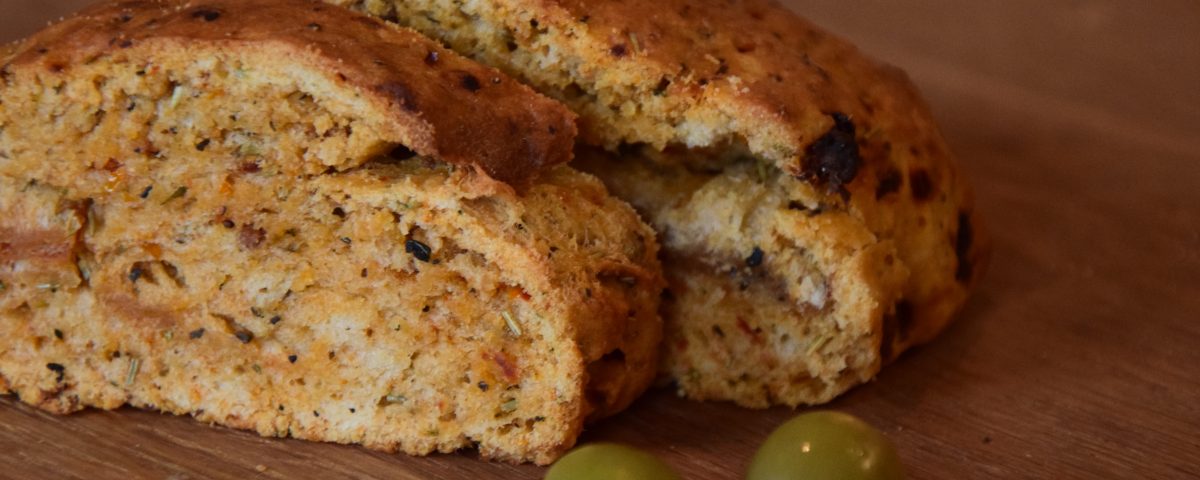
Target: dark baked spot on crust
{"x": 962, "y": 247}
{"x": 617, "y": 50}
{"x": 470, "y": 82}
{"x": 399, "y": 93}
{"x": 921, "y": 185}
{"x": 208, "y": 15}
{"x": 889, "y": 183}
{"x": 833, "y": 160}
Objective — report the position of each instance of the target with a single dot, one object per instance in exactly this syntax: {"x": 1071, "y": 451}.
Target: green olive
{"x": 826, "y": 445}
{"x": 609, "y": 461}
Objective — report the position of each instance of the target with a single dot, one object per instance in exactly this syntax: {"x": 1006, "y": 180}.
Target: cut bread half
{"x": 286, "y": 217}
{"x": 814, "y": 223}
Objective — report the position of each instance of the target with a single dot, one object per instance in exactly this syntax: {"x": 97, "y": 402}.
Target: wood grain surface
{"x": 1079, "y": 123}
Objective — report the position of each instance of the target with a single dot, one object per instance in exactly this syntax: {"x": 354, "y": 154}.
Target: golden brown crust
{"x": 173, "y": 239}
{"x": 710, "y": 83}
{"x": 786, "y": 80}
{"x": 466, "y": 113}
{"x": 904, "y": 183}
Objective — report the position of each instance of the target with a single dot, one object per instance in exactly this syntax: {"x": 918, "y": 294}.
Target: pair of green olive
{"x": 813, "y": 446}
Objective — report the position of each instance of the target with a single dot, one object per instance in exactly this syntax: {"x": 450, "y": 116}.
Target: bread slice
{"x": 286, "y": 217}
{"x": 813, "y": 220}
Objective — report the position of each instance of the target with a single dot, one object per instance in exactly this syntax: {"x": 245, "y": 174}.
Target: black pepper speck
{"x": 419, "y": 250}
{"x": 135, "y": 273}
{"x": 755, "y": 259}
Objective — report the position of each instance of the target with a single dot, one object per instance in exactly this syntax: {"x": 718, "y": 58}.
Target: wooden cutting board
{"x": 1079, "y": 123}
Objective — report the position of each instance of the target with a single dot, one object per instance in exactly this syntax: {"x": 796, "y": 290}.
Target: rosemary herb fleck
{"x": 820, "y": 342}
{"x": 392, "y": 398}
{"x": 134, "y": 365}
{"x": 178, "y": 193}
{"x": 511, "y": 322}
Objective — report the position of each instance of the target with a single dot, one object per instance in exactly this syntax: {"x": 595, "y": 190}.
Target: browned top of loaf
{"x": 856, "y": 129}
{"x": 472, "y": 115}
{"x": 769, "y": 66}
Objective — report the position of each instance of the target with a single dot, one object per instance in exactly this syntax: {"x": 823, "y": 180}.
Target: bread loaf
{"x": 282, "y": 216}
{"x": 813, "y": 220}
